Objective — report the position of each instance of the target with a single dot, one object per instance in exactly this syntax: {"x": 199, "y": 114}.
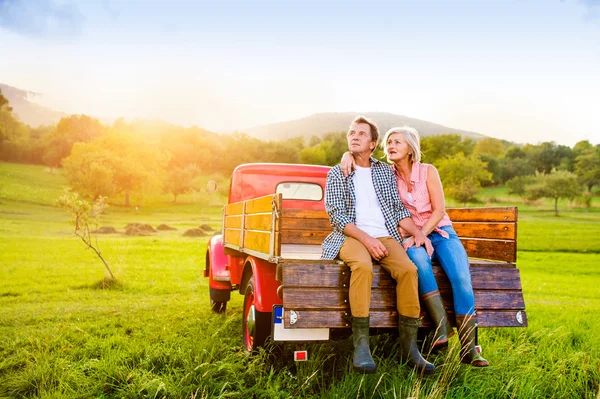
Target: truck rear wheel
{"x": 256, "y": 325}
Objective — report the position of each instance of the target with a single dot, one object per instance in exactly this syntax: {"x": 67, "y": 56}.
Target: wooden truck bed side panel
{"x": 486, "y": 233}
{"x": 253, "y": 226}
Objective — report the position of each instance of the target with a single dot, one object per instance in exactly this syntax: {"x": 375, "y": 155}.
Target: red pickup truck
{"x": 269, "y": 251}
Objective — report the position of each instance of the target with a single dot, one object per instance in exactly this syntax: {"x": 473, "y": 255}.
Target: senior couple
{"x": 395, "y": 215}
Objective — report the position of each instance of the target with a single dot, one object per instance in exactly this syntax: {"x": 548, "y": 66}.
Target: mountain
{"x": 28, "y": 111}
{"x": 319, "y": 124}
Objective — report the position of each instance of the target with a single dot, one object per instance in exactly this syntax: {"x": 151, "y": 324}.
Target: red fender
{"x": 265, "y": 284}
{"x": 217, "y": 264}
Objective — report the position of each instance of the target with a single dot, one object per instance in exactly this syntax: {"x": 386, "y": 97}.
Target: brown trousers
{"x": 397, "y": 263}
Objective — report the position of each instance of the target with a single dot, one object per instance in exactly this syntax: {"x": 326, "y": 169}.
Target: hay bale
{"x": 135, "y": 231}
{"x": 165, "y": 227}
{"x": 141, "y": 226}
{"x": 194, "y": 233}
{"x": 206, "y": 227}
{"x": 105, "y": 230}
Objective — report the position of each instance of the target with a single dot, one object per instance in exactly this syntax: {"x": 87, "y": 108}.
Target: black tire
{"x": 256, "y": 326}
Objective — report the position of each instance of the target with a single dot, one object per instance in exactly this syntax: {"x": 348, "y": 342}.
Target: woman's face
{"x": 396, "y": 147}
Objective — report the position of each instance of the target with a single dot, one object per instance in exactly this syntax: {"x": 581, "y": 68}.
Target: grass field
{"x": 153, "y": 334}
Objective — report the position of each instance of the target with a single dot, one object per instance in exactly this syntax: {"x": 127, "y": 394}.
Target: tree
{"x": 489, "y": 146}
{"x": 518, "y": 185}
{"x": 462, "y": 176}
{"x": 10, "y": 127}
{"x": 547, "y": 156}
{"x": 494, "y": 166}
{"x": 513, "y": 167}
{"x": 556, "y": 185}
{"x": 587, "y": 167}
{"x": 181, "y": 180}
{"x": 315, "y": 155}
{"x": 114, "y": 164}
{"x": 70, "y": 130}
{"x": 86, "y": 216}
{"x": 436, "y": 148}
{"x": 515, "y": 152}
{"x": 327, "y": 151}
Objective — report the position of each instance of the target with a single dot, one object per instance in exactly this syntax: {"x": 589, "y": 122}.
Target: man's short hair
{"x": 372, "y": 125}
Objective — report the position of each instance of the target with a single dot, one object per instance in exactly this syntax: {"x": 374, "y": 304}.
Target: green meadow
{"x": 153, "y": 335}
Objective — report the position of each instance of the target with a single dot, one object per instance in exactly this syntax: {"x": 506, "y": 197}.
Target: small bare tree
{"x": 86, "y": 215}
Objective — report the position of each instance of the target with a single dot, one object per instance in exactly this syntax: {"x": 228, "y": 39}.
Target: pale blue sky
{"x": 521, "y": 70}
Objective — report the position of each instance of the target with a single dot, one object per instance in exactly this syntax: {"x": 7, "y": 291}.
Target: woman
{"x": 421, "y": 192}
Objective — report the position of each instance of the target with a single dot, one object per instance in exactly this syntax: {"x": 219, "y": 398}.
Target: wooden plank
{"x": 261, "y": 221}
{"x": 501, "y": 318}
{"x": 382, "y": 298}
{"x": 333, "y": 298}
{"x": 503, "y": 250}
{"x": 234, "y": 221}
{"x": 303, "y": 237}
{"x": 232, "y": 237}
{"x": 493, "y": 279}
{"x": 499, "y": 299}
{"x": 277, "y": 232}
{"x": 304, "y": 214}
{"x": 306, "y": 224}
{"x": 389, "y": 319}
{"x": 491, "y": 214}
{"x": 234, "y": 209}
{"x": 325, "y": 275}
{"x": 260, "y": 205}
{"x": 495, "y": 230}
{"x": 257, "y": 240}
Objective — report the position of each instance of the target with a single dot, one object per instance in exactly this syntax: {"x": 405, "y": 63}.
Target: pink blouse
{"x": 418, "y": 201}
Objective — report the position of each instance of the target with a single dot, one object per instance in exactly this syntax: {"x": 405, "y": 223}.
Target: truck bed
{"x": 317, "y": 290}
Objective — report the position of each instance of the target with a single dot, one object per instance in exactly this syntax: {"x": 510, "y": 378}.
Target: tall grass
{"x": 153, "y": 336}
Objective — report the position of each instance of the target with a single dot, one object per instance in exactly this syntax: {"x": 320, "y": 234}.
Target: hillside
{"x": 35, "y": 115}
{"x": 28, "y": 111}
{"x": 321, "y": 123}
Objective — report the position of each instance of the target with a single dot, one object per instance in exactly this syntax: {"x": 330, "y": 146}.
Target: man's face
{"x": 359, "y": 139}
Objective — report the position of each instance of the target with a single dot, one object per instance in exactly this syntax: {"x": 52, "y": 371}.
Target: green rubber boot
{"x": 362, "y": 359}
{"x": 407, "y": 328}
{"x": 441, "y": 325}
{"x": 466, "y": 324}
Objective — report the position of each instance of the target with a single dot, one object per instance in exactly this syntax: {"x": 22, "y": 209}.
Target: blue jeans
{"x": 450, "y": 253}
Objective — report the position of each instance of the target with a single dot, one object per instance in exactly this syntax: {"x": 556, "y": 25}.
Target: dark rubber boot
{"x": 407, "y": 328}
{"x": 466, "y": 324}
{"x": 362, "y": 360}
{"x": 442, "y": 329}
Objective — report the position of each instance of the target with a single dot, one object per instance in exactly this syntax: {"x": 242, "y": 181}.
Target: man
{"x": 365, "y": 211}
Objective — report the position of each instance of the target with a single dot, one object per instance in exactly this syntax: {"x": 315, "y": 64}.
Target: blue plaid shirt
{"x": 340, "y": 204}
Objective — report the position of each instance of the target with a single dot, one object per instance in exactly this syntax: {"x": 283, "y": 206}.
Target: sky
{"x": 527, "y": 71}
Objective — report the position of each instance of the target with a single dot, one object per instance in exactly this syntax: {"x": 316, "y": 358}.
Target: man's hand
{"x": 377, "y": 250}
{"x": 347, "y": 164}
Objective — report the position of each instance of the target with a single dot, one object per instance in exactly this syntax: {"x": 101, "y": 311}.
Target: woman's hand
{"x": 409, "y": 242}
{"x": 418, "y": 240}
{"x": 347, "y": 163}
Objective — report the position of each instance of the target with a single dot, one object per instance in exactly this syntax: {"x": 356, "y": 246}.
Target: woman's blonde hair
{"x": 411, "y": 136}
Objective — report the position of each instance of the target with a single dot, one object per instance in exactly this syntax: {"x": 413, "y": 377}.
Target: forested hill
{"x": 28, "y": 111}
{"x": 319, "y": 124}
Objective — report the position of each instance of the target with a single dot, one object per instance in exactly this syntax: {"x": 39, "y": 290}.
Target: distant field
{"x": 153, "y": 334}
